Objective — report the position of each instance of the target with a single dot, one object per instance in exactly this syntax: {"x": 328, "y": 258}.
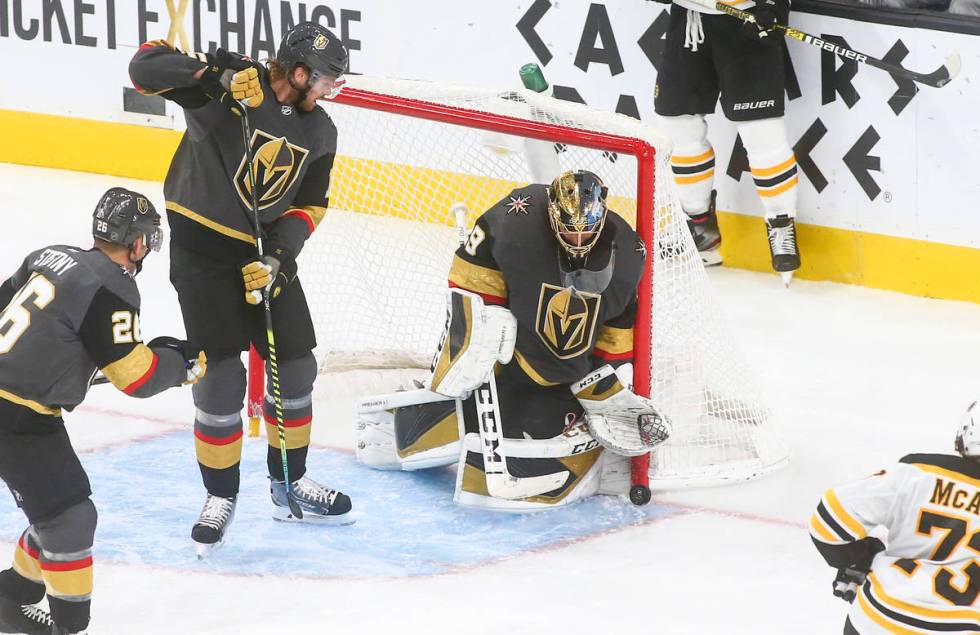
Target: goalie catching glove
{"x": 620, "y": 420}
{"x": 476, "y": 337}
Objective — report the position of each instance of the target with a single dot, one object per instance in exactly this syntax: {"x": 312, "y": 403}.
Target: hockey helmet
{"x": 968, "y": 434}
{"x": 319, "y": 50}
{"x": 122, "y": 216}
{"x": 577, "y": 210}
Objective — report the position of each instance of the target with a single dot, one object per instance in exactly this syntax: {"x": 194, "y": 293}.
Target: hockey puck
{"x": 639, "y": 494}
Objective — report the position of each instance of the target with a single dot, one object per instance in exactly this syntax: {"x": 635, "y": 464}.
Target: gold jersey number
{"x": 16, "y": 318}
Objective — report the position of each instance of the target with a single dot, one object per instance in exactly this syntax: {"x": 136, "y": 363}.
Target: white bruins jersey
{"x": 928, "y": 578}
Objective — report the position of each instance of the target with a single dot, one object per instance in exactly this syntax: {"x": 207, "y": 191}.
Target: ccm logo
{"x": 752, "y": 105}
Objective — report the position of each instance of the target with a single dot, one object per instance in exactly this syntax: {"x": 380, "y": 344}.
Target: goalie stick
{"x": 937, "y": 78}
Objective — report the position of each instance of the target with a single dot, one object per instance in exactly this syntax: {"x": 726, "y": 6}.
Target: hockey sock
{"x": 773, "y": 165}
{"x": 693, "y": 161}
{"x": 218, "y": 426}
{"x": 296, "y": 390}
{"x": 66, "y": 564}
{"x": 23, "y": 582}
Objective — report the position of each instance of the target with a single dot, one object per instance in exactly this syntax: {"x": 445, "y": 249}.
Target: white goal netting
{"x": 375, "y": 271}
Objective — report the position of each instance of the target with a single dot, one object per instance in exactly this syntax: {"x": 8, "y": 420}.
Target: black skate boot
{"x": 209, "y": 530}
{"x": 707, "y": 238}
{"x": 782, "y": 245}
{"x": 319, "y": 504}
{"x": 24, "y": 618}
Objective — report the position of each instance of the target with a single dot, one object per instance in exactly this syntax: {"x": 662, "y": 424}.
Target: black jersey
{"x": 572, "y": 315}
{"x": 209, "y": 204}
{"x": 65, "y": 313}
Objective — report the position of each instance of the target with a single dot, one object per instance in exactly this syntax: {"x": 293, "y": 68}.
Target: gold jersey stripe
{"x": 315, "y": 213}
{"x": 818, "y": 527}
{"x": 530, "y": 372}
{"x": 615, "y": 340}
{"x": 177, "y": 208}
{"x": 776, "y": 169}
{"x": 27, "y": 403}
{"x": 69, "y": 584}
{"x": 218, "y": 457}
{"x": 881, "y": 620}
{"x": 925, "y": 467}
{"x": 130, "y": 368}
{"x": 296, "y": 437}
{"x": 692, "y": 160}
{"x": 482, "y": 280}
{"x": 852, "y": 523}
{"x": 921, "y": 611}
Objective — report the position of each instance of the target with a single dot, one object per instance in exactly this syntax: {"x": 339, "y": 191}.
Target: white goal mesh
{"x": 375, "y": 271}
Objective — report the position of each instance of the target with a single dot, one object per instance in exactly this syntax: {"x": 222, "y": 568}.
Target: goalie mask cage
{"x": 375, "y": 271}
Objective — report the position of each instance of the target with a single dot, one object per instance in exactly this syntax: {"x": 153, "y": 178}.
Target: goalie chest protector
{"x": 558, "y": 324}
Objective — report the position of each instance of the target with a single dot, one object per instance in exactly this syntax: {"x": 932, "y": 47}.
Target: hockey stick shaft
{"x": 937, "y": 79}
{"x": 267, "y": 310}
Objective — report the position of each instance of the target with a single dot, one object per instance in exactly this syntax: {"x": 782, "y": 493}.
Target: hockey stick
{"x": 269, "y": 335}
{"x": 937, "y": 78}
{"x": 500, "y": 482}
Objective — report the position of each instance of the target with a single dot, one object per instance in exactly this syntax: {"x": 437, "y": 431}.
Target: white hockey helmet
{"x": 968, "y": 434}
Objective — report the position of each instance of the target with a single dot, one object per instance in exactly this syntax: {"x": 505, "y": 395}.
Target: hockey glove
{"x": 619, "y": 419}
{"x": 848, "y": 582}
{"x": 230, "y": 78}
{"x": 269, "y": 274}
{"x": 195, "y": 363}
{"x": 767, "y": 14}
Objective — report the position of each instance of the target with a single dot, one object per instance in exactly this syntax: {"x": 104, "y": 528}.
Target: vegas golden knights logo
{"x": 277, "y": 164}
{"x": 566, "y": 319}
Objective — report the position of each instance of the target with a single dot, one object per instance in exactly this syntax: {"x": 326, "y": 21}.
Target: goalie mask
{"x": 577, "y": 210}
{"x": 968, "y": 434}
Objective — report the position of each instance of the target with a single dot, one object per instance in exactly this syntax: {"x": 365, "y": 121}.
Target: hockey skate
{"x": 782, "y": 245}
{"x": 319, "y": 504}
{"x": 707, "y": 237}
{"x": 30, "y": 619}
{"x": 209, "y": 530}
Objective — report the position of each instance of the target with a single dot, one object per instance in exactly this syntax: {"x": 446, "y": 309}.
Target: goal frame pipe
{"x": 644, "y": 152}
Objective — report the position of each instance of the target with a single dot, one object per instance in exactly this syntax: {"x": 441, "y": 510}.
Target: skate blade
{"x": 787, "y": 277}
{"x": 710, "y": 258}
{"x": 206, "y": 549}
{"x": 283, "y": 515}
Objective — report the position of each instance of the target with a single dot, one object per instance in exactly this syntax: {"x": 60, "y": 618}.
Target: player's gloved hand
{"x": 231, "y": 78}
{"x": 269, "y": 274}
{"x": 767, "y": 14}
{"x": 196, "y": 362}
{"x": 847, "y": 583}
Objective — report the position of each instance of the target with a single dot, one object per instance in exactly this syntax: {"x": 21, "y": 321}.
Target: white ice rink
{"x": 859, "y": 378}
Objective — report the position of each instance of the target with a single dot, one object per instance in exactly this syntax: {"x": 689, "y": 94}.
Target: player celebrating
{"x": 707, "y": 54}
{"x": 927, "y": 579}
{"x": 68, "y": 312}
{"x": 214, "y": 263}
{"x": 542, "y": 303}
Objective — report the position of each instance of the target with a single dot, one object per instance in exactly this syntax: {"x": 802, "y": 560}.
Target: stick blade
{"x": 945, "y": 73}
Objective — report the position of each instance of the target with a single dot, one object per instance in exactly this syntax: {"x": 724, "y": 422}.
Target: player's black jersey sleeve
{"x": 474, "y": 268}
{"x": 290, "y": 231}
{"x": 110, "y": 334}
{"x": 159, "y": 69}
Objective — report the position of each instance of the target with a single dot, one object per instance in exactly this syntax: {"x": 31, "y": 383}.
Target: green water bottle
{"x": 533, "y": 78}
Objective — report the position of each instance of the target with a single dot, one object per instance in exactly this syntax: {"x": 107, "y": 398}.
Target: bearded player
{"x": 530, "y": 386}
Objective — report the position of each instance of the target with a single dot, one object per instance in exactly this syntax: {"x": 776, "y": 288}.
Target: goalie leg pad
{"x": 410, "y": 437}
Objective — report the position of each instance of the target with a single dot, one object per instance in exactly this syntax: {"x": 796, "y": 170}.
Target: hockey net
{"x": 418, "y": 162}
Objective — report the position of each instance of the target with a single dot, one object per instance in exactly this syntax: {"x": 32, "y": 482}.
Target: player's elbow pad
{"x": 476, "y": 337}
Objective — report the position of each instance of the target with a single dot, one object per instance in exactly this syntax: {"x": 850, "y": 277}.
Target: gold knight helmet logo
{"x": 320, "y": 42}
{"x": 566, "y": 320}
{"x": 277, "y": 163}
